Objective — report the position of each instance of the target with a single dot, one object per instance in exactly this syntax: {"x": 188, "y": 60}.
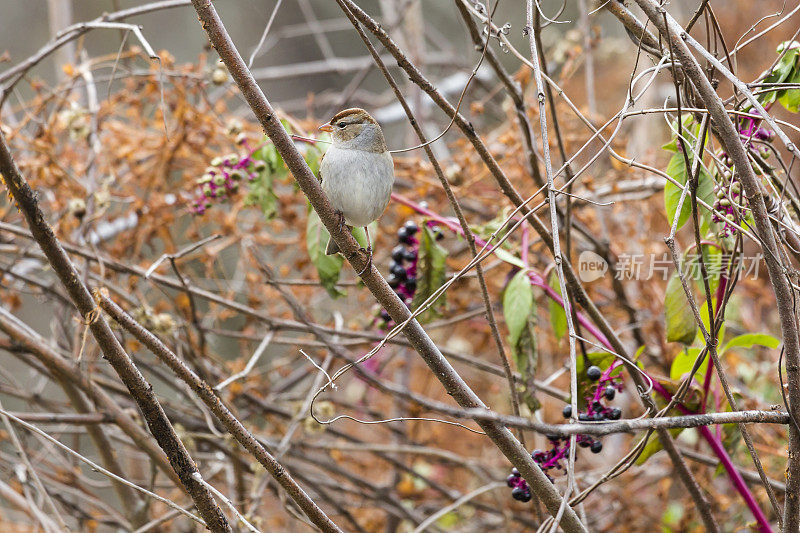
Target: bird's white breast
{"x": 357, "y": 183}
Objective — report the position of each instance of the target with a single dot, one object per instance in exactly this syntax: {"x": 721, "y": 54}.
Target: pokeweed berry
{"x": 594, "y": 373}
{"x": 398, "y": 271}
{"x": 521, "y": 494}
{"x": 393, "y": 281}
{"x": 411, "y": 283}
{"x": 567, "y": 412}
{"x": 609, "y": 393}
{"x": 615, "y": 414}
{"x": 596, "y": 446}
{"x": 411, "y": 227}
{"x": 404, "y": 236}
{"x": 399, "y": 253}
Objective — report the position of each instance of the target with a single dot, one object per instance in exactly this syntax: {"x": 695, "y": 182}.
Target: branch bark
{"x": 140, "y": 389}
{"x": 422, "y": 343}
{"x": 781, "y": 286}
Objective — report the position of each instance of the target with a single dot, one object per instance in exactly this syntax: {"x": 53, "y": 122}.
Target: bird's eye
{"x": 341, "y": 124}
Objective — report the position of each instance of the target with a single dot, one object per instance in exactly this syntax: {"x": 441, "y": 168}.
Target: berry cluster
{"x": 729, "y": 198}
{"x": 222, "y": 178}
{"x": 402, "y": 270}
{"x": 606, "y": 389}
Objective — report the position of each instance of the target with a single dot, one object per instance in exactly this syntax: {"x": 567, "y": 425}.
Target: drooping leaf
{"x": 677, "y": 313}
{"x": 517, "y": 305}
{"x": 676, "y": 169}
{"x": 519, "y": 310}
{"x": 431, "y": 273}
{"x": 558, "y": 318}
{"x": 328, "y": 266}
{"x": 712, "y": 257}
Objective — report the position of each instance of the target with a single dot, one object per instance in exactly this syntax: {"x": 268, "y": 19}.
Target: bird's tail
{"x": 332, "y": 247}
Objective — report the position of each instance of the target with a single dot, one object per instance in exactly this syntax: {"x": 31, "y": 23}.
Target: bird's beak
{"x": 326, "y": 127}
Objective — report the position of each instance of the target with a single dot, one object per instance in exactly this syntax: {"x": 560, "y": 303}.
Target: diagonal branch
{"x": 140, "y": 389}
{"x": 419, "y": 339}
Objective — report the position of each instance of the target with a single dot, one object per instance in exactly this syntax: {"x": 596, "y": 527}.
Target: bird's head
{"x": 355, "y": 129}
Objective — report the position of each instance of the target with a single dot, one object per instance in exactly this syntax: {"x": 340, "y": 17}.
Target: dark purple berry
{"x": 567, "y": 412}
{"x": 597, "y": 406}
{"x": 598, "y": 416}
{"x": 398, "y": 253}
{"x": 411, "y": 227}
{"x": 511, "y": 480}
{"x": 596, "y": 446}
{"x": 398, "y": 271}
{"x": 410, "y": 255}
{"x": 385, "y": 315}
{"x": 521, "y": 494}
{"x": 553, "y": 438}
{"x": 594, "y": 373}
{"x": 615, "y": 414}
{"x": 536, "y": 453}
{"x": 393, "y": 281}
{"x": 609, "y": 393}
{"x": 515, "y": 472}
{"x": 437, "y": 233}
{"x": 411, "y": 283}
{"x": 583, "y": 417}
{"x": 585, "y": 443}
{"x": 404, "y": 236}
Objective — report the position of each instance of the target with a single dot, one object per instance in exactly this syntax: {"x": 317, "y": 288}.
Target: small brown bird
{"x": 357, "y": 171}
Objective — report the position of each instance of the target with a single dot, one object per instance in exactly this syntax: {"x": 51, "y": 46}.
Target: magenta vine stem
{"x": 714, "y": 442}
{"x": 733, "y": 474}
{"x": 598, "y": 392}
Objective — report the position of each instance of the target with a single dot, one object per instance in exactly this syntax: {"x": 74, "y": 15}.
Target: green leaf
{"x": 712, "y": 257}
{"x": 654, "y": 445}
{"x": 748, "y": 340}
{"x": 684, "y": 361}
{"x": 313, "y": 157}
{"x": 517, "y": 305}
{"x": 519, "y": 310}
{"x": 790, "y": 98}
{"x": 328, "y": 266}
{"x": 677, "y": 313}
{"x": 508, "y": 257}
{"x": 361, "y": 237}
{"x": 431, "y": 273}
{"x": 676, "y": 169}
{"x": 261, "y": 191}
{"x": 781, "y": 73}
{"x": 558, "y": 318}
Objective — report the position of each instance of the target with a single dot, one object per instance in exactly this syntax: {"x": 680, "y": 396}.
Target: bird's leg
{"x": 341, "y": 223}
{"x": 368, "y": 251}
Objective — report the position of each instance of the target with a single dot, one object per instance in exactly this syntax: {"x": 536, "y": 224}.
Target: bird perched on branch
{"x": 357, "y": 172}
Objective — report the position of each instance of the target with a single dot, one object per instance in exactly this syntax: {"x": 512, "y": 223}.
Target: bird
{"x": 357, "y": 172}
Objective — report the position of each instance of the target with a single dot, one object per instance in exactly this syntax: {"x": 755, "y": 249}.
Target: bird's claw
{"x": 342, "y": 223}
{"x": 369, "y": 260}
